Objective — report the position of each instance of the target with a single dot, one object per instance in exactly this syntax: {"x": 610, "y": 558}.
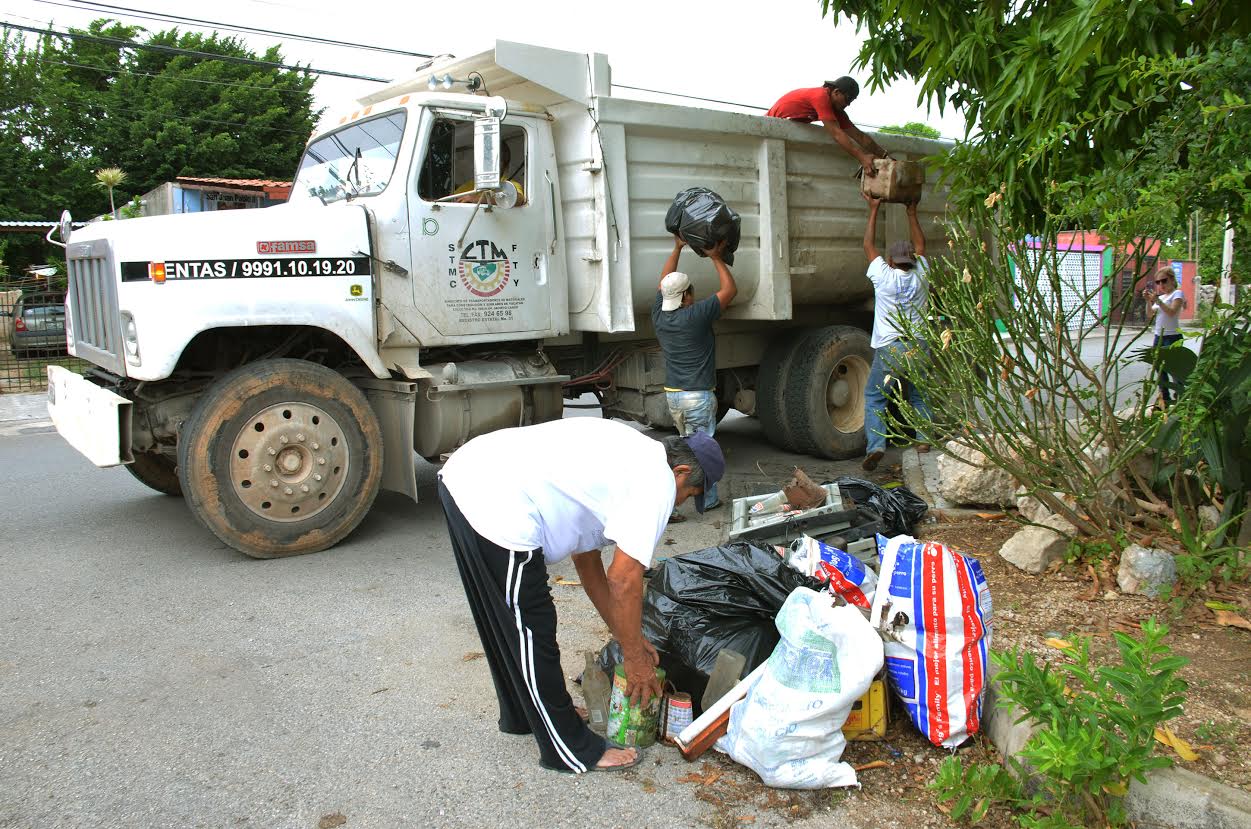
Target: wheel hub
{"x": 844, "y": 394}
{"x": 839, "y": 393}
{"x": 288, "y": 462}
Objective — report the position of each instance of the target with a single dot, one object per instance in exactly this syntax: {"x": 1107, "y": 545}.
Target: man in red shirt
{"x": 828, "y": 103}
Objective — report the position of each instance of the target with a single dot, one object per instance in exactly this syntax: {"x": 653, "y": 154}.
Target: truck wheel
{"x": 160, "y": 472}
{"x": 771, "y": 384}
{"x": 281, "y": 457}
{"x": 824, "y": 396}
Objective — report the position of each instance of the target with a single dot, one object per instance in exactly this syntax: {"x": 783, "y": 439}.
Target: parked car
{"x": 38, "y": 325}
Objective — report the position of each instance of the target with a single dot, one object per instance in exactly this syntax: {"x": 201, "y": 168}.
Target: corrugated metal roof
{"x": 234, "y": 182}
{"x": 19, "y": 225}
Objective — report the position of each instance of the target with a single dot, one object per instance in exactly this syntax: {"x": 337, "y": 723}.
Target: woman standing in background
{"x": 1165, "y": 302}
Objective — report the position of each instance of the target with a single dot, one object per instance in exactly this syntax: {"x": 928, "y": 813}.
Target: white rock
{"x": 1031, "y": 508}
{"x": 972, "y": 481}
{"x": 1034, "y": 549}
{"x": 1209, "y": 518}
{"x": 1146, "y": 571}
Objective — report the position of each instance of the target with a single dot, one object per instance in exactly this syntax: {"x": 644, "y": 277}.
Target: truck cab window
{"x": 447, "y": 169}
{"x": 357, "y": 160}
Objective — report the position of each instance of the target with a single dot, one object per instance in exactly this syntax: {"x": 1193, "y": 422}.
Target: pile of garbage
{"x": 777, "y": 648}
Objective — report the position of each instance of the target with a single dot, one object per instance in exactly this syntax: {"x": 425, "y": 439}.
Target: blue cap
{"x": 711, "y": 460}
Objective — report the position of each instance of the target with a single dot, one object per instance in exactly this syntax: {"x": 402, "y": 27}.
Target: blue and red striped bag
{"x": 933, "y": 610}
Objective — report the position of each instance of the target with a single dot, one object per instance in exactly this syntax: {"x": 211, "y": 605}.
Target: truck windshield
{"x": 357, "y": 160}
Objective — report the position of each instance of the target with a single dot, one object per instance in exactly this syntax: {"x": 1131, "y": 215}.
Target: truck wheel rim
{"x": 844, "y": 394}
{"x": 289, "y": 462}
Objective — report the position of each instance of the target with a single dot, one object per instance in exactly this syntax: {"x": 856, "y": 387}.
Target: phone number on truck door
{"x": 252, "y": 268}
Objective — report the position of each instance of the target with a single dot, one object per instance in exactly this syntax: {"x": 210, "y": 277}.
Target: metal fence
{"x": 32, "y": 334}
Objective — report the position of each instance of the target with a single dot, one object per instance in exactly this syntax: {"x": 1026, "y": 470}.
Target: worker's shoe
{"x": 871, "y": 461}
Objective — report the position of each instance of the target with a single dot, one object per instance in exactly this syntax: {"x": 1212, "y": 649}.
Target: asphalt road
{"x": 150, "y": 676}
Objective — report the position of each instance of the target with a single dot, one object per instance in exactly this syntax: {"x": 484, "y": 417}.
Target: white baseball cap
{"x": 672, "y": 287}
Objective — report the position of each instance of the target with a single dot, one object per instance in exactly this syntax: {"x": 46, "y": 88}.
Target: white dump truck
{"x": 452, "y": 262}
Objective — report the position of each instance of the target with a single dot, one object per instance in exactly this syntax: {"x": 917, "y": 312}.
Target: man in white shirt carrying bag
{"x": 900, "y": 291}
{"x": 519, "y": 499}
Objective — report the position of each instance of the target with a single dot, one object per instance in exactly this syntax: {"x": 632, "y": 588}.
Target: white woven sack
{"x": 788, "y": 729}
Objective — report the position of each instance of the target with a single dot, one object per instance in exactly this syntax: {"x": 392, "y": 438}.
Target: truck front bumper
{"x": 93, "y": 420}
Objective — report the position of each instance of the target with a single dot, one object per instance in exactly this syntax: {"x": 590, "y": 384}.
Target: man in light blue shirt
{"x": 900, "y": 291}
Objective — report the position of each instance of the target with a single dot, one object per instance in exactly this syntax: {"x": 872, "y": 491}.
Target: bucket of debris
{"x": 896, "y": 181}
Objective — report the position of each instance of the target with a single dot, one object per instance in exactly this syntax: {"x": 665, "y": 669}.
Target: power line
{"x": 692, "y": 97}
{"x": 127, "y": 44}
{"x": 728, "y": 103}
{"x": 179, "y": 78}
{"x": 192, "y": 118}
{"x": 233, "y": 27}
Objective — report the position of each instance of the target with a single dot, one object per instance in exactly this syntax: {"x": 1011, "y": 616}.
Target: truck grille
{"x": 92, "y": 299}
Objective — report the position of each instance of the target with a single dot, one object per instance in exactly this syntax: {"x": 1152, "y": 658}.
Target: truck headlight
{"x": 130, "y": 336}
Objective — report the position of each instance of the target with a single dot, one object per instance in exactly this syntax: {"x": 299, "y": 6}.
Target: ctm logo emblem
{"x": 484, "y": 268}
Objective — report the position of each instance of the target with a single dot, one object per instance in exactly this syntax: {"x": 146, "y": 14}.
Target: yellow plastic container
{"x": 868, "y": 718}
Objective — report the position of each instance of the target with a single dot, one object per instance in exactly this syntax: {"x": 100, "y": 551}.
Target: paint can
{"x": 676, "y": 714}
{"x": 632, "y": 725}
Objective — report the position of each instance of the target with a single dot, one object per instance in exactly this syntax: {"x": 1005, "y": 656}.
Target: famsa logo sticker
{"x": 484, "y": 268}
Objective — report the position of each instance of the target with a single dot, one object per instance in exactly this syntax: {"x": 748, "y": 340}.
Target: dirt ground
{"x": 1065, "y": 603}
{"x": 1028, "y": 610}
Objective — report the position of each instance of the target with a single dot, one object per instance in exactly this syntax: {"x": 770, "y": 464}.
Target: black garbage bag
{"x": 702, "y": 218}
{"x": 697, "y": 604}
{"x": 899, "y": 507}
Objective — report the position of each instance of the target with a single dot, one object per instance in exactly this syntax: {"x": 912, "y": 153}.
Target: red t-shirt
{"x": 809, "y": 105}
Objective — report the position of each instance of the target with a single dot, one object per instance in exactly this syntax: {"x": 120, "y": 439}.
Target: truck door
{"x": 477, "y": 270}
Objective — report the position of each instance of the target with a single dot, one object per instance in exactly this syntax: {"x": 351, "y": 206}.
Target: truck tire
{"x": 824, "y": 394}
{"x": 160, "y": 472}
{"x": 771, "y": 383}
{"x": 281, "y": 457}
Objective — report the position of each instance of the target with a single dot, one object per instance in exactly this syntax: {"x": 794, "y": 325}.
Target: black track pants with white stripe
{"x": 512, "y": 607}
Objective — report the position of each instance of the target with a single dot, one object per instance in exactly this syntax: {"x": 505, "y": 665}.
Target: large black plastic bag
{"x": 721, "y": 597}
{"x": 702, "y": 218}
{"x": 899, "y": 507}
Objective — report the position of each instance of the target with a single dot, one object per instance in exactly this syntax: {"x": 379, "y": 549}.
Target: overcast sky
{"x": 734, "y": 50}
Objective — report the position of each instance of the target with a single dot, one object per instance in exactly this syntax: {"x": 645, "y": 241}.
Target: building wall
{"x": 172, "y": 198}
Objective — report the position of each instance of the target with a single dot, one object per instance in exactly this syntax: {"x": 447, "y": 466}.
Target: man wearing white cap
{"x": 684, "y": 329}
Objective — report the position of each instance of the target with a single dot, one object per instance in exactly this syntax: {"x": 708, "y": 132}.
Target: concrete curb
{"x": 1175, "y": 798}
{"x": 23, "y": 407}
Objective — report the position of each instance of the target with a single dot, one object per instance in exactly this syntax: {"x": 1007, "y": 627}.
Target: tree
{"x": 69, "y": 107}
{"x": 1063, "y": 92}
{"x": 913, "y": 128}
{"x": 109, "y": 178}
{"x": 1122, "y": 117}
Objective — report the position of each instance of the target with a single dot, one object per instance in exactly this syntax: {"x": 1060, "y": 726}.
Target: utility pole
{"x": 1227, "y": 263}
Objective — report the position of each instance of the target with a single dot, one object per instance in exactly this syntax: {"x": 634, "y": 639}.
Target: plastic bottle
{"x": 596, "y": 690}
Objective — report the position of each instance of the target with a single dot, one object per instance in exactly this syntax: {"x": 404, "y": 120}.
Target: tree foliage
{"x": 1056, "y": 91}
{"x": 69, "y": 107}
{"x": 913, "y": 128}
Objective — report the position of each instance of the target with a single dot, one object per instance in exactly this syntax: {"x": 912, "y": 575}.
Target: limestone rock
{"x": 1146, "y": 571}
{"x": 1031, "y": 508}
{"x": 973, "y": 482}
{"x": 1209, "y": 518}
{"x": 1034, "y": 549}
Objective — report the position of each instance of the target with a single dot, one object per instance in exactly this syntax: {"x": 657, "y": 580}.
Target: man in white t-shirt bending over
{"x": 900, "y": 292}
{"x": 519, "y": 499}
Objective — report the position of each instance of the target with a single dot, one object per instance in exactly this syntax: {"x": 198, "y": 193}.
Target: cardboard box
{"x": 868, "y": 719}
